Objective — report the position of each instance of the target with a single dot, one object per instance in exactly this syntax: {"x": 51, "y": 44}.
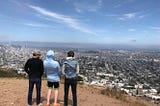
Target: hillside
{"x": 14, "y": 93}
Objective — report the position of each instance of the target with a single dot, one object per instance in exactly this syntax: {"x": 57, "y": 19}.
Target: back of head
{"x": 70, "y": 54}
{"x": 50, "y": 54}
{"x": 36, "y": 53}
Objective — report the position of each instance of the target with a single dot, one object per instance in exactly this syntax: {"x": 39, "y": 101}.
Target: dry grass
{"x": 120, "y": 95}
{"x": 87, "y": 95}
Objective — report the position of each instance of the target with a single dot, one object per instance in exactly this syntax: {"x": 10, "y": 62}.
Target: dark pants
{"x": 32, "y": 82}
{"x": 73, "y": 83}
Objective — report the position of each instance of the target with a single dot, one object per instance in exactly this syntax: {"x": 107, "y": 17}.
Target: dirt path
{"x": 13, "y": 92}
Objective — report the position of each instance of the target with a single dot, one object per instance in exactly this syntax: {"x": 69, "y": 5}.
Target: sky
{"x": 135, "y": 22}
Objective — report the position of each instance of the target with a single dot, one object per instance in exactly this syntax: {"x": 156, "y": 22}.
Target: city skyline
{"x": 85, "y": 21}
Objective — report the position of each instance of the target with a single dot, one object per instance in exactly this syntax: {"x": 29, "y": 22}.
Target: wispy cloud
{"x": 120, "y": 4}
{"x": 156, "y": 28}
{"x": 88, "y": 6}
{"x": 131, "y": 30}
{"x": 37, "y": 25}
{"x": 16, "y": 2}
{"x": 73, "y": 23}
{"x": 100, "y": 2}
{"x": 128, "y": 16}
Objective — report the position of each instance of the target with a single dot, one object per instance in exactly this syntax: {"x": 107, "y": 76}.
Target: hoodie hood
{"x": 50, "y": 54}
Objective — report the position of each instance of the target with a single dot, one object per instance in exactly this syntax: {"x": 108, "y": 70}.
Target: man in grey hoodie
{"x": 53, "y": 73}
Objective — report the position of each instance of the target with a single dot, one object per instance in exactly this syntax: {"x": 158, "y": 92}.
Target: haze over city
{"x": 134, "y": 22}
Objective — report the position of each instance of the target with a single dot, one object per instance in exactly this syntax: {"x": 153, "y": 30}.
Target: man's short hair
{"x": 36, "y": 53}
{"x": 70, "y": 54}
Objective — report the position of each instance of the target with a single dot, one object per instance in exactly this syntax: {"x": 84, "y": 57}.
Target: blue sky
{"x": 81, "y": 21}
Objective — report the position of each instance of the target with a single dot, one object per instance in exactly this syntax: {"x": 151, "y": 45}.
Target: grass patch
{"x": 120, "y": 95}
{"x": 9, "y": 73}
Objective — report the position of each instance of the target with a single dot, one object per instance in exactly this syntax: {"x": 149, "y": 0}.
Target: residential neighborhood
{"x": 135, "y": 72}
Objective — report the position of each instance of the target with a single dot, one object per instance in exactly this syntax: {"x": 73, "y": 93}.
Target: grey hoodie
{"x": 70, "y": 68}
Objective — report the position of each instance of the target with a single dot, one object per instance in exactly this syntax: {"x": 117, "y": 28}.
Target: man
{"x": 34, "y": 69}
{"x": 70, "y": 69}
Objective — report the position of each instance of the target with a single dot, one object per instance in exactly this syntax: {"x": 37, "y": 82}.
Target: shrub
{"x": 9, "y": 73}
{"x": 121, "y": 95}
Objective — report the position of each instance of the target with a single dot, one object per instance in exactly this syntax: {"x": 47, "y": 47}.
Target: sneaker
{"x": 40, "y": 104}
{"x": 56, "y": 104}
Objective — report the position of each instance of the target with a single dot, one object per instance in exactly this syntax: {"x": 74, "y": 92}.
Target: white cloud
{"x": 37, "y": 25}
{"x": 131, "y": 30}
{"x": 16, "y": 2}
{"x": 130, "y": 15}
{"x": 122, "y": 3}
{"x": 156, "y": 28}
{"x": 100, "y": 2}
{"x": 127, "y": 16}
{"x": 134, "y": 15}
{"x": 73, "y": 23}
{"x": 88, "y": 6}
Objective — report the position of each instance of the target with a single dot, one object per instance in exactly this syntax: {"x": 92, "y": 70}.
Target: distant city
{"x": 133, "y": 70}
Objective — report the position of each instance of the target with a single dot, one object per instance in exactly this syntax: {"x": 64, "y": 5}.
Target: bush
{"x": 9, "y": 73}
{"x": 115, "y": 93}
{"x": 120, "y": 95}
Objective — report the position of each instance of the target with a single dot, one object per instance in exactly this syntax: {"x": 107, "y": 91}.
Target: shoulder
{"x": 30, "y": 59}
{"x": 56, "y": 62}
{"x": 75, "y": 61}
{"x": 65, "y": 62}
{"x": 40, "y": 60}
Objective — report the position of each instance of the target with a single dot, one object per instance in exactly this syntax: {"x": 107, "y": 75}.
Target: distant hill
{"x": 32, "y": 44}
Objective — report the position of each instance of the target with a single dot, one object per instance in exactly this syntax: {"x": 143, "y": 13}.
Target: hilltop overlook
{"x": 134, "y": 72}
{"x": 14, "y": 93}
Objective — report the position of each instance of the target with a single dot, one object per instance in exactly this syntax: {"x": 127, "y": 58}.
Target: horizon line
{"x": 128, "y": 44}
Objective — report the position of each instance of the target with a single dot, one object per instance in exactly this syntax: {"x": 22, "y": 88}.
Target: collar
{"x": 69, "y": 58}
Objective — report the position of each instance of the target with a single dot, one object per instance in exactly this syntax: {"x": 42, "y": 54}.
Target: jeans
{"x": 73, "y": 83}
{"x": 32, "y": 82}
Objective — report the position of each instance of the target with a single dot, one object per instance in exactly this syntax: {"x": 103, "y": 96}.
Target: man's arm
{"x": 42, "y": 68}
{"x": 59, "y": 70}
{"x": 26, "y": 67}
{"x": 63, "y": 68}
{"x": 77, "y": 69}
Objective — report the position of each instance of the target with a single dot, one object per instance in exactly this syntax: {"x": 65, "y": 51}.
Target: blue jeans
{"x": 32, "y": 82}
{"x": 73, "y": 83}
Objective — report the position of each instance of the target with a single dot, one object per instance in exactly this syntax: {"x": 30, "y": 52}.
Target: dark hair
{"x": 70, "y": 54}
{"x": 36, "y": 53}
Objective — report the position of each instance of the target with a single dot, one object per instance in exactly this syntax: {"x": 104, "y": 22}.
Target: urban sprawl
{"x": 136, "y": 72}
